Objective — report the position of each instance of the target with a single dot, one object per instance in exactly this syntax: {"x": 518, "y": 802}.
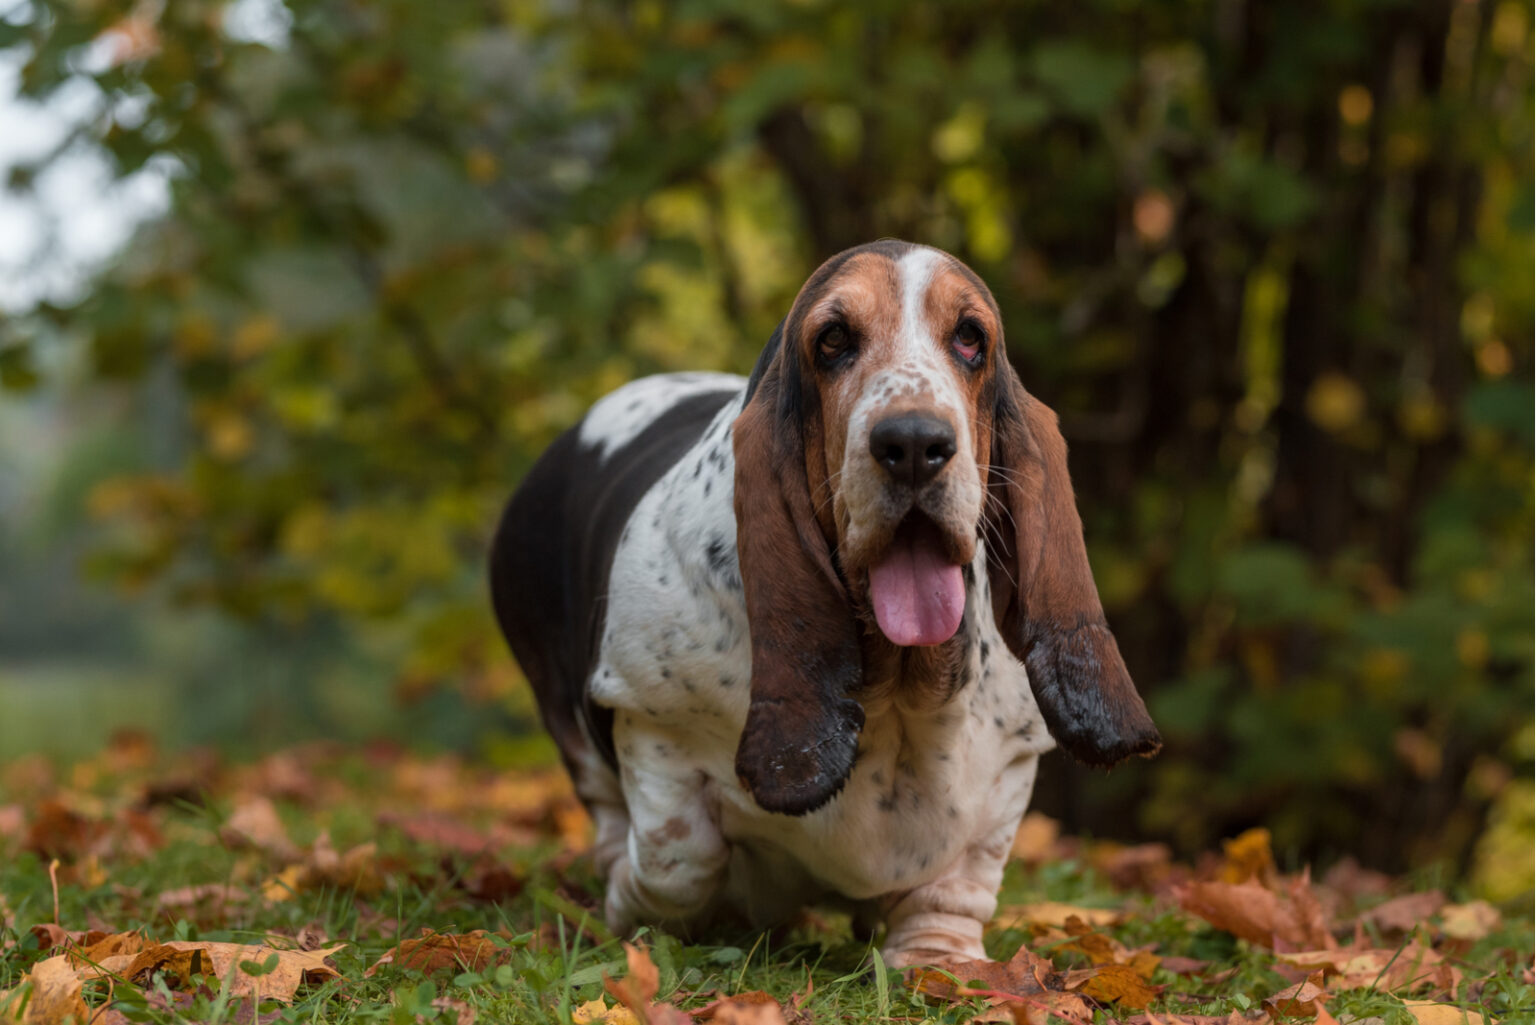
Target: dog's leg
{"x": 675, "y": 859}
{"x": 941, "y": 922}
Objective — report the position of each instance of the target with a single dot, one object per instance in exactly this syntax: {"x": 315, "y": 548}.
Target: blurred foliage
{"x": 1271, "y": 262}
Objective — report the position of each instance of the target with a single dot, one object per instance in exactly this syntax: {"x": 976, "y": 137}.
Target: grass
{"x": 130, "y": 831}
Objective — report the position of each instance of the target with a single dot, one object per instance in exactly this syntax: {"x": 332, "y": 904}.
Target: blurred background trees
{"x": 1271, "y": 263}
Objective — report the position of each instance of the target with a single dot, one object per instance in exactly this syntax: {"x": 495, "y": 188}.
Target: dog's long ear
{"x": 1043, "y": 594}
{"x": 802, "y": 728}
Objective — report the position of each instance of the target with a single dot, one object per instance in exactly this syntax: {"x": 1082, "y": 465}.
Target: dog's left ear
{"x": 802, "y": 729}
{"x": 1043, "y": 594}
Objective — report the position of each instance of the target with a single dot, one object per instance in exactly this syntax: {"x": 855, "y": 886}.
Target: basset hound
{"x": 803, "y": 637}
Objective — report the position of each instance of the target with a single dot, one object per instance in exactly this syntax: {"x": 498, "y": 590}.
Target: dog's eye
{"x": 969, "y": 341}
{"x": 834, "y": 343}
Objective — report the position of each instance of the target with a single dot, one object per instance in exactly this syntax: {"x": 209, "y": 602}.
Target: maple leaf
{"x": 637, "y": 990}
{"x": 1471, "y": 921}
{"x": 435, "y": 952}
{"x": 1052, "y": 913}
{"x": 1409, "y": 967}
{"x": 57, "y": 994}
{"x": 1299, "y": 1001}
{"x": 752, "y": 1008}
{"x": 1259, "y": 915}
{"x": 251, "y": 970}
{"x": 1404, "y": 914}
{"x": 1248, "y": 857}
{"x": 255, "y": 824}
{"x": 1428, "y": 1012}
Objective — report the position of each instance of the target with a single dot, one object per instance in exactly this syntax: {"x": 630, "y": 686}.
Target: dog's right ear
{"x": 802, "y": 729}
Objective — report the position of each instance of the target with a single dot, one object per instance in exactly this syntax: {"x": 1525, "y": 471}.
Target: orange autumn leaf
{"x": 57, "y": 994}
{"x": 637, "y": 990}
{"x": 1299, "y": 1001}
{"x": 1259, "y": 915}
{"x": 752, "y": 1008}
{"x": 1116, "y": 983}
{"x": 434, "y": 952}
{"x": 245, "y": 966}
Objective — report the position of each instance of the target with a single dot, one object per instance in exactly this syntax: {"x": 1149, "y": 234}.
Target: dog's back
{"x": 553, "y": 550}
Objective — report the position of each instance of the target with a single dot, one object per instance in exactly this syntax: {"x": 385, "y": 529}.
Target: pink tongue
{"x": 918, "y": 595}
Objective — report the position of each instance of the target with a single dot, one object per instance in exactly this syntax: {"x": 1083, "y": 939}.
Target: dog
{"x": 803, "y": 637}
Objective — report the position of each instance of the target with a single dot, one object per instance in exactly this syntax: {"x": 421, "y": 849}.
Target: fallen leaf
{"x": 1036, "y": 839}
{"x": 753, "y": 1008}
{"x": 1299, "y": 1001}
{"x": 57, "y": 994}
{"x": 1184, "y": 965}
{"x": 255, "y": 824}
{"x": 1248, "y": 857}
{"x": 1428, "y": 1012}
{"x": 1409, "y": 967}
{"x": 1403, "y": 914}
{"x": 438, "y": 951}
{"x": 1024, "y": 974}
{"x": 1053, "y": 914}
{"x": 13, "y": 822}
{"x": 637, "y": 990}
{"x": 597, "y": 1011}
{"x": 1102, "y": 949}
{"x": 1117, "y": 983}
{"x": 61, "y": 832}
{"x": 463, "y": 1014}
{"x": 1260, "y": 915}
{"x": 1144, "y": 866}
{"x": 1471, "y": 921}
{"x": 183, "y": 959}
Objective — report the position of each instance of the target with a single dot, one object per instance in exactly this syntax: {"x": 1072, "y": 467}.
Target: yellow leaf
{"x": 1470, "y": 921}
{"x": 56, "y": 994}
{"x": 1248, "y": 857}
{"x": 1053, "y": 914}
{"x": 1428, "y": 1012}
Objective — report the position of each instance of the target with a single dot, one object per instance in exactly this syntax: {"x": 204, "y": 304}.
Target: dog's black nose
{"x": 913, "y": 447}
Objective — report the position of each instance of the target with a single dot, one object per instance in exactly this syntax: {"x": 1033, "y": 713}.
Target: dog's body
{"x": 769, "y": 622}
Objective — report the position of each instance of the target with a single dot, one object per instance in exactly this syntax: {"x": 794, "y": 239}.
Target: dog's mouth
{"x": 916, "y": 588}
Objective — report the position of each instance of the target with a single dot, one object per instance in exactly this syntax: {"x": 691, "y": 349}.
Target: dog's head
{"x": 884, "y": 434}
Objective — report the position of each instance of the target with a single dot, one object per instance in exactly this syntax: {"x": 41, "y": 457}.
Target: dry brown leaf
{"x": 1024, "y": 974}
{"x": 1471, "y": 921}
{"x": 1403, "y": 914}
{"x": 184, "y": 959}
{"x": 1036, "y": 839}
{"x": 637, "y": 990}
{"x": 437, "y": 951}
{"x": 255, "y": 824}
{"x": 115, "y": 945}
{"x": 1299, "y": 1001}
{"x": 1116, "y": 983}
{"x": 13, "y": 822}
{"x": 1428, "y": 1012}
{"x": 463, "y": 1014}
{"x": 1144, "y": 866}
{"x": 1102, "y": 949}
{"x": 1248, "y": 856}
{"x": 1051, "y": 913}
{"x": 1259, "y": 915}
{"x": 57, "y": 994}
{"x": 1412, "y": 966}
{"x": 1184, "y": 965}
{"x": 753, "y": 1008}
{"x": 61, "y": 832}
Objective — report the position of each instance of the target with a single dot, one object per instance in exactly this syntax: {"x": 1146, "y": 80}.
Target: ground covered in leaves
{"x": 338, "y": 885}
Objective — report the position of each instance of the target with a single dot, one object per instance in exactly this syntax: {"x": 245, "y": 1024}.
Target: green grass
{"x": 556, "y": 954}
